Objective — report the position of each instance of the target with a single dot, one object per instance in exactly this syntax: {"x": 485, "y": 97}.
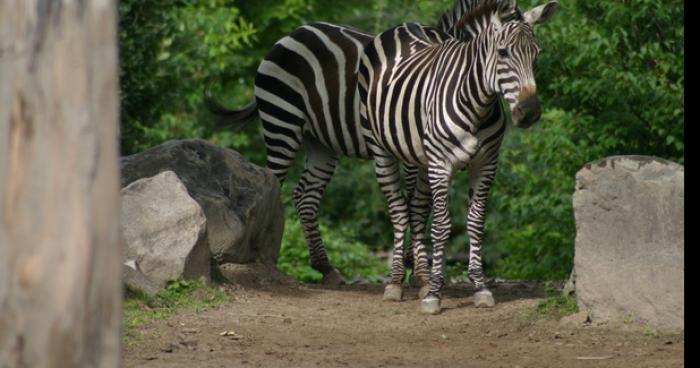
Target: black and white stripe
{"x": 432, "y": 100}
{"x": 306, "y": 96}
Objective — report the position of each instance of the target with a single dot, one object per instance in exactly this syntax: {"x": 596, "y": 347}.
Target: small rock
{"x": 575, "y": 320}
{"x": 190, "y": 331}
{"x": 287, "y": 321}
{"x": 169, "y": 348}
{"x": 189, "y": 344}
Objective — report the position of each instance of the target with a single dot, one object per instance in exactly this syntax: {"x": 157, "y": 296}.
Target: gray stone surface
{"x": 135, "y": 280}
{"x": 164, "y": 229}
{"x": 629, "y": 214}
{"x": 241, "y": 201}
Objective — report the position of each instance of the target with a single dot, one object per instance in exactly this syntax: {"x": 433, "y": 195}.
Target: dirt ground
{"x": 274, "y": 322}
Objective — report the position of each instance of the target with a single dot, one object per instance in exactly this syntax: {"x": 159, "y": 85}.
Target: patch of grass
{"x": 457, "y": 273}
{"x": 350, "y": 256}
{"x": 556, "y": 304}
{"x": 650, "y": 331}
{"x": 140, "y": 308}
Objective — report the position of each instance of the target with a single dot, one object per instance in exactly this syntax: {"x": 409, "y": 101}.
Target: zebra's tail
{"x": 227, "y": 118}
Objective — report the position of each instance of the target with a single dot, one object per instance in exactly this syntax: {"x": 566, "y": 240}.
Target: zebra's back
{"x": 306, "y": 85}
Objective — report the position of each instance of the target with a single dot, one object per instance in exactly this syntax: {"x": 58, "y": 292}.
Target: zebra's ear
{"x": 541, "y": 14}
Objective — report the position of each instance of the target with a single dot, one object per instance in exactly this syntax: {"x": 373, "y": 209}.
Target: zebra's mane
{"x": 468, "y": 17}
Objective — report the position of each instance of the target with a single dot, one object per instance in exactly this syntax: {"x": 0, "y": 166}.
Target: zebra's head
{"x": 515, "y": 51}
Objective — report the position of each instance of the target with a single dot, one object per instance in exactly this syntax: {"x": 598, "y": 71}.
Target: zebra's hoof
{"x": 392, "y": 293}
{"x": 483, "y": 299}
{"x": 332, "y": 278}
{"x": 423, "y": 292}
{"x": 430, "y": 305}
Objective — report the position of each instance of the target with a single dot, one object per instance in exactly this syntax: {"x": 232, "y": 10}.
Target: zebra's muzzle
{"x": 527, "y": 112}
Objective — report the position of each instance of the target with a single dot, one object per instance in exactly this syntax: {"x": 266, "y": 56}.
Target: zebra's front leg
{"x": 318, "y": 171}
{"x": 419, "y": 209}
{"x": 389, "y": 178}
{"x": 480, "y": 186}
{"x": 439, "y": 175}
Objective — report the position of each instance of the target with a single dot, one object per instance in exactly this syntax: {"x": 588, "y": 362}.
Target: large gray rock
{"x": 629, "y": 240}
{"x": 164, "y": 229}
{"x": 241, "y": 201}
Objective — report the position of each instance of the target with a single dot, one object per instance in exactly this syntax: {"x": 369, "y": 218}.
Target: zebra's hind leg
{"x": 318, "y": 171}
{"x": 419, "y": 209}
{"x": 410, "y": 179}
{"x": 389, "y": 178}
{"x": 481, "y": 179}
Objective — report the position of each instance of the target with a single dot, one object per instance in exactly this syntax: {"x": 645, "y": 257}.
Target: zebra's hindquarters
{"x": 307, "y": 85}
{"x": 306, "y": 94}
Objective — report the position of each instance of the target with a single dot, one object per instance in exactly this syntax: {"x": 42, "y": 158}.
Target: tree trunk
{"x": 60, "y": 247}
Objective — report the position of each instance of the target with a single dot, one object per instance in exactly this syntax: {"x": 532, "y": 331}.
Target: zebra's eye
{"x": 503, "y": 52}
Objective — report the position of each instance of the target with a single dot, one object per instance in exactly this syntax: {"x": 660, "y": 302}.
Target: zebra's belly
{"x": 347, "y": 140}
{"x": 407, "y": 147}
{"x": 405, "y": 140}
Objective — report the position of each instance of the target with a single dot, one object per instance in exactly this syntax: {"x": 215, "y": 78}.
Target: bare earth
{"x": 273, "y": 322}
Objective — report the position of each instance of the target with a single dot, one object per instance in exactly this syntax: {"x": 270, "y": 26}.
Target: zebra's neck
{"x": 477, "y": 95}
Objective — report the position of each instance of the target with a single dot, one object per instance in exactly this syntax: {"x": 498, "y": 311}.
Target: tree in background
{"x": 60, "y": 242}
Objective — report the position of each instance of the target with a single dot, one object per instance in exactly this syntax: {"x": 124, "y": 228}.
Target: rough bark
{"x": 60, "y": 248}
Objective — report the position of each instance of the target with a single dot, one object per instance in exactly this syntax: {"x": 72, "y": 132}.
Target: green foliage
{"x": 556, "y": 305}
{"x": 349, "y": 256}
{"x": 650, "y": 331}
{"x": 168, "y": 50}
{"x": 531, "y": 218}
{"x": 621, "y": 64}
{"x": 140, "y": 309}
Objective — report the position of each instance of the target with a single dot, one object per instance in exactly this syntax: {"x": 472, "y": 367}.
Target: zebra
{"x": 432, "y": 101}
{"x": 305, "y": 94}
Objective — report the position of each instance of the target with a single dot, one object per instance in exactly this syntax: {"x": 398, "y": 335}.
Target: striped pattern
{"x": 431, "y": 100}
